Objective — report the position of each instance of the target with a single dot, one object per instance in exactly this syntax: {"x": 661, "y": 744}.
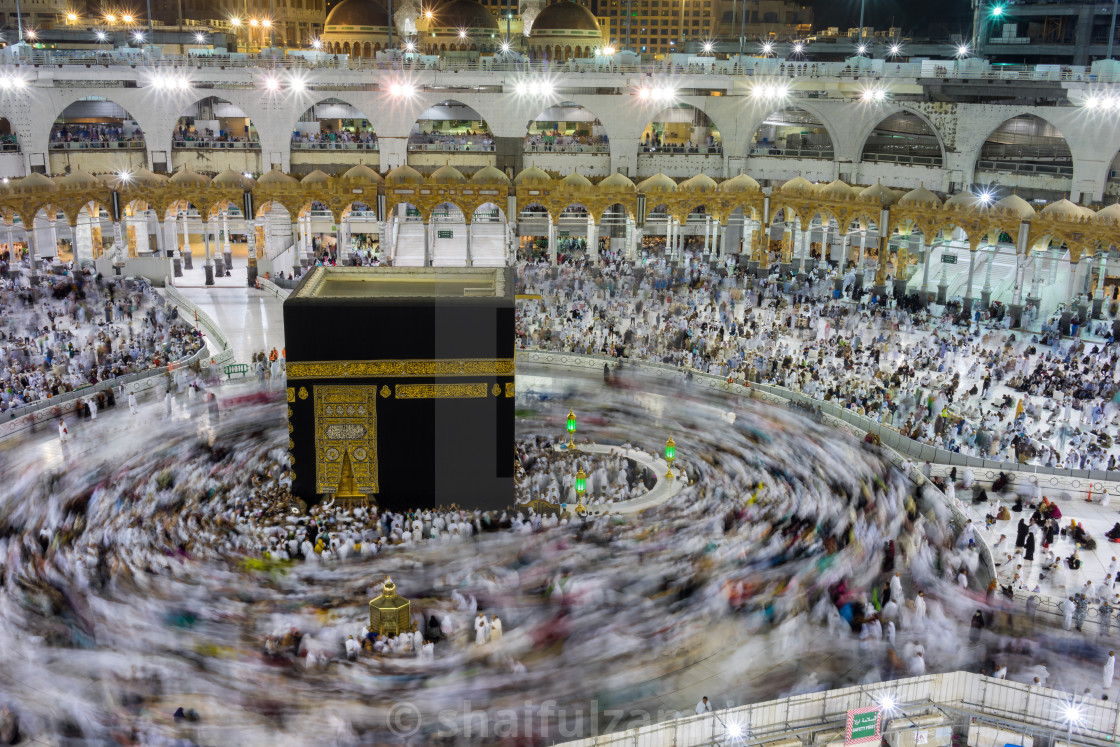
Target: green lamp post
{"x": 670, "y": 455}
{"x": 581, "y": 486}
{"x": 571, "y": 429}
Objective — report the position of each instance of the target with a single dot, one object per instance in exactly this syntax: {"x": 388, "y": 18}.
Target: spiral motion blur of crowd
{"x": 782, "y": 531}
{"x": 73, "y": 331}
{"x": 965, "y": 386}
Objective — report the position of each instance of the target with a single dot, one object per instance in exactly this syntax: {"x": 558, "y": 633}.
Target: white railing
{"x": 190, "y": 312}
{"x": 957, "y": 698}
{"x": 272, "y": 288}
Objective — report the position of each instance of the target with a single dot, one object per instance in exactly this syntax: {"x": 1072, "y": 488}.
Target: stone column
{"x": 967, "y": 305}
{"x": 986, "y": 293}
{"x": 707, "y": 234}
{"x": 118, "y": 238}
{"x": 636, "y": 232}
{"x": 1021, "y": 249}
{"x": 593, "y": 239}
{"x": 551, "y": 242}
{"x": 187, "y": 263}
{"x": 297, "y": 264}
{"x": 427, "y": 244}
{"x": 719, "y": 232}
{"x": 925, "y": 271}
{"x": 54, "y": 233}
{"x": 227, "y": 250}
{"x": 251, "y": 246}
{"x": 32, "y": 254}
{"x": 470, "y": 259}
{"x": 208, "y": 263}
{"x": 1098, "y": 297}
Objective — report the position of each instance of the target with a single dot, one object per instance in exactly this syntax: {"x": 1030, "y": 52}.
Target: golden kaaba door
{"x": 345, "y": 426}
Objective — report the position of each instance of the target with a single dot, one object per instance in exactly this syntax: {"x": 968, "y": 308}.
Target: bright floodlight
{"x": 895, "y": 49}
{"x": 767, "y": 47}
{"x": 886, "y": 703}
{"x": 608, "y": 50}
{"x": 962, "y": 50}
{"x": 428, "y": 14}
{"x": 462, "y": 33}
{"x": 798, "y": 47}
{"x": 505, "y": 46}
{"x": 409, "y": 47}
{"x": 997, "y": 11}
{"x": 546, "y": 89}
{"x": 861, "y": 49}
{"x": 1072, "y": 714}
{"x": 272, "y": 84}
{"x": 124, "y": 176}
{"x": 985, "y": 197}
{"x": 734, "y": 731}
{"x": 200, "y": 37}
{"x": 296, "y": 84}
{"x": 266, "y": 23}
{"x": 247, "y": 175}
{"x": 126, "y": 18}
{"x": 522, "y": 89}
{"x": 31, "y": 34}
{"x": 71, "y": 17}
{"x": 707, "y": 46}
{"x": 110, "y": 18}
{"x": 316, "y": 44}
{"x": 253, "y": 22}
{"x": 138, "y": 36}
{"x": 234, "y": 21}
{"x": 101, "y": 36}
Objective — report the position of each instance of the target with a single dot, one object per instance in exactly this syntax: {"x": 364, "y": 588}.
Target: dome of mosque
{"x": 741, "y": 183}
{"x": 658, "y": 183}
{"x": 919, "y": 196}
{"x": 363, "y": 173}
{"x": 880, "y": 194}
{"x": 797, "y": 184}
{"x": 963, "y": 199}
{"x": 316, "y": 177}
{"x": 404, "y": 174}
{"x": 231, "y": 178}
{"x": 700, "y": 183}
{"x": 565, "y": 16}
{"x": 464, "y": 14}
{"x": 836, "y": 189}
{"x": 77, "y": 178}
{"x": 1065, "y": 210}
{"x": 1017, "y": 205}
{"x": 532, "y": 175}
{"x": 447, "y": 175}
{"x": 489, "y": 175}
{"x": 357, "y": 13}
{"x": 187, "y": 176}
{"x": 1110, "y": 213}
{"x": 617, "y": 181}
{"x": 576, "y": 180}
{"x": 276, "y": 177}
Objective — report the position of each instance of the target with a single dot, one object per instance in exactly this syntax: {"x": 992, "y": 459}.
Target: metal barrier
{"x": 272, "y": 288}
{"x": 224, "y": 355}
{"x": 958, "y": 698}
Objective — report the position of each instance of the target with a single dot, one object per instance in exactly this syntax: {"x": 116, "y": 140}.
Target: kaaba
{"x": 400, "y": 386}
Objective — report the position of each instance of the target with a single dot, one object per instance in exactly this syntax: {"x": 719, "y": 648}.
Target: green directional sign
{"x": 864, "y": 725}
{"x": 565, "y": 233}
{"x": 445, "y": 234}
{"x": 949, "y": 259}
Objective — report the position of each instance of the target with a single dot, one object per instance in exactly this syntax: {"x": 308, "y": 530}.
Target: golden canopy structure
{"x": 389, "y": 612}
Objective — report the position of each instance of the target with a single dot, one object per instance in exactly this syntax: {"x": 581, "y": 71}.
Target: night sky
{"x": 914, "y": 16}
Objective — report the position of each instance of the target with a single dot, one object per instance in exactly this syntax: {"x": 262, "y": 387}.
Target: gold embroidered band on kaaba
{"x": 440, "y": 391}
{"x": 399, "y": 368}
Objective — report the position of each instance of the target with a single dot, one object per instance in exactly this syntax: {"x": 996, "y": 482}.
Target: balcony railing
{"x": 825, "y": 153}
{"x": 567, "y": 148}
{"x": 305, "y": 145}
{"x": 682, "y": 150}
{"x": 451, "y": 147}
{"x": 96, "y": 145}
{"x": 217, "y": 144}
{"x": 1011, "y": 167}
{"x": 903, "y": 158}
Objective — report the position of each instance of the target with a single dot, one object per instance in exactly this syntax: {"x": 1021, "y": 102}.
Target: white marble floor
{"x": 252, "y": 320}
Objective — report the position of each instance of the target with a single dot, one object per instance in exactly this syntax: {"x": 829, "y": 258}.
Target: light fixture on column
{"x": 571, "y": 426}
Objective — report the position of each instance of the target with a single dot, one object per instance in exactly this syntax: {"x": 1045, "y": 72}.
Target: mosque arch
{"x": 1025, "y": 144}
{"x": 904, "y": 137}
{"x": 450, "y": 125}
{"x": 214, "y": 122}
{"x": 792, "y": 132}
{"x": 566, "y": 127}
{"x": 681, "y": 128}
{"x": 333, "y": 123}
{"x": 95, "y": 122}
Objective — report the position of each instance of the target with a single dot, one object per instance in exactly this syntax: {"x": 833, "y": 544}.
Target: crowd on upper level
{"x": 77, "y": 330}
{"x": 465, "y": 141}
{"x": 92, "y": 133}
{"x": 560, "y": 142}
{"x": 187, "y": 135}
{"x": 327, "y": 138}
{"x": 965, "y": 384}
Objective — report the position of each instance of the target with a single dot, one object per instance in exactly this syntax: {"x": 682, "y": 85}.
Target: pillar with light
{"x": 571, "y": 428}
{"x": 581, "y": 487}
